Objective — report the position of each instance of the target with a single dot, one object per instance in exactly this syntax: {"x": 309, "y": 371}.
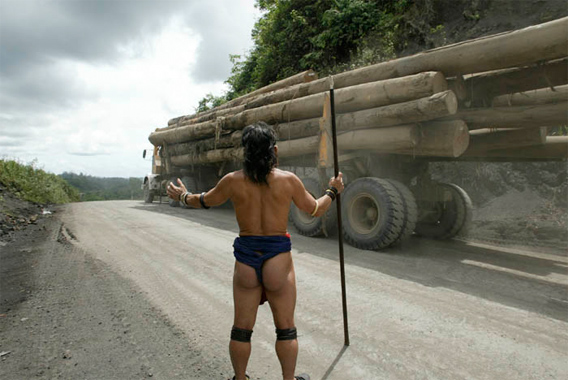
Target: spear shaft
{"x": 339, "y": 225}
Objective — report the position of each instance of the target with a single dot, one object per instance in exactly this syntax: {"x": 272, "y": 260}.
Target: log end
{"x": 439, "y": 83}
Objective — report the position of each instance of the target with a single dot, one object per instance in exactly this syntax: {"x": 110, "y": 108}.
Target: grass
{"x": 32, "y": 184}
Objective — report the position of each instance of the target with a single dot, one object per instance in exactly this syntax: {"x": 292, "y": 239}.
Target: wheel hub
{"x": 364, "y": 213}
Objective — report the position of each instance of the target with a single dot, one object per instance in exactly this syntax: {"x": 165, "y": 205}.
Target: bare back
{"x": 263, "y": 210}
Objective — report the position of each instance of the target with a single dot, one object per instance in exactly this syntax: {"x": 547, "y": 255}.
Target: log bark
{"x": 482, "y": 143}
{"x": 388, "y": 91}
{"x": 555, "y": 148}
{"x": 303, "y": 77}
{"x": 385, "y": 140}
{"x": 534, "y": 97}
{"x": 543, "y": 42}
{"x": 440, "y": 139}
{"x": 522, "y": 47}
{"x": 415, "y": 111}
{"x": 425, "y": 109}
{"x": 367, "y": 95}
{"x": 435, "y": 106}
{"x": 548, "y": 115}
{"x": 183, "y": 134}
{"x": 482, "y": 88}
{"x": 232, "y": 140}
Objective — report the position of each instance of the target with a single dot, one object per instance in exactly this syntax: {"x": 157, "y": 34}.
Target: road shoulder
{"x": 65, "y": 314}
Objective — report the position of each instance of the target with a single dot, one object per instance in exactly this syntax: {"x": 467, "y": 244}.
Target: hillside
{"x": 28, "y": 192}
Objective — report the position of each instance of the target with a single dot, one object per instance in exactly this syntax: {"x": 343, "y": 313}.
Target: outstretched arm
{"x": 315, "y": 207}
{"x": 214, "y": 197}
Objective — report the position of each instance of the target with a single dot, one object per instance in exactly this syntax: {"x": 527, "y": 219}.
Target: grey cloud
{"x": 40, "y": 90}
{"x": 34, "y": 31}
{"x": 34, "y": 34}
{"x": 11, "y": 130}
{"x": 9, "y": 143}
{"x": 82, "y": 154}
{"x": 221, "y": 36}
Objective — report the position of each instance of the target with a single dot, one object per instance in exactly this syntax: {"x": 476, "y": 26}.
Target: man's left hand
{"x": 174, "y": 191}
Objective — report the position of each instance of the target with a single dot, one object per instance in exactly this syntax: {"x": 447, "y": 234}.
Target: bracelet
{"x": 183, "y": 198}
{"x": 202, "y": 201}
{"x": 315, "y": 209}
{"x": 332, "y": 193}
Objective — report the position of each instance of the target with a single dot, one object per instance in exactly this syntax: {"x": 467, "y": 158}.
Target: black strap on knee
{"x": 286, "y": 334}
{"x": 241, "y": 335}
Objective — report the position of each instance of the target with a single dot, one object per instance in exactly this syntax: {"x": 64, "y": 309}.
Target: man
{"x": 261, "y": 195}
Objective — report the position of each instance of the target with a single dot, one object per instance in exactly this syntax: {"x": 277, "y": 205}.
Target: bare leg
{"x": 280, "y": 285}
{"x": 246, "y": 294}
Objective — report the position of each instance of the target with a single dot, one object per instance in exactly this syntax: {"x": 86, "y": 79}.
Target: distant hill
{"x": 102, "y": 189}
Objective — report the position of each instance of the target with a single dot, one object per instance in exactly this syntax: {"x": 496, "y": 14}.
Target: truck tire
{"x": 148, "y": 195}
{"x": 308, "y": 225}
{"x": 410, "y": 210}
{"x": 373, "y": 213}
{"x": 448, "y": 216}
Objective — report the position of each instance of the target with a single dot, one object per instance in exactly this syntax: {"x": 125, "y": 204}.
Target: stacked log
{"x": 503, "y": 91}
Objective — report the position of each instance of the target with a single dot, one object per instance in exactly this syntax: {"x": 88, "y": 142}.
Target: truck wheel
{"x": 448, "y": 215}
{"x": 148, "y": 195}
{"x": 308, "y": 225}
{"x": 410, "y": 210}
{"x": 373, "y": 213}
{"x": 171, "y": 202}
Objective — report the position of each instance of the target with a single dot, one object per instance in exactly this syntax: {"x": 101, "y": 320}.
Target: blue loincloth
{"x": 255, "y": 250}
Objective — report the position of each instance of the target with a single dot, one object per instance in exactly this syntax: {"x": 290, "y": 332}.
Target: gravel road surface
{"x": 144, "y": 290}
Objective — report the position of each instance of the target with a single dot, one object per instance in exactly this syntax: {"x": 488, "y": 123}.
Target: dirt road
{"x": 428, "y": 310}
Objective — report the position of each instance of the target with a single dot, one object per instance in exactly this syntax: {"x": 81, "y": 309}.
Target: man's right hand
{"x": 337, "y": 182}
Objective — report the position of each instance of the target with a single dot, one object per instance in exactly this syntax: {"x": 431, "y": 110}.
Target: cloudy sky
{"x": 84, "y": 82}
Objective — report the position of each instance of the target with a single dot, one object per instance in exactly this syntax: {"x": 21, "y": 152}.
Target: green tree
{"x": 296, "y": 35}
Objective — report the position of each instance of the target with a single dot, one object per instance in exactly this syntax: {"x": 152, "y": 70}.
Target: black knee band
{"x": 286, "y": 334}
{"x": 240, "y": 335}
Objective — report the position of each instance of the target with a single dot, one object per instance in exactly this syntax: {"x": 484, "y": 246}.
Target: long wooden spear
{"x": 339, "y": 226}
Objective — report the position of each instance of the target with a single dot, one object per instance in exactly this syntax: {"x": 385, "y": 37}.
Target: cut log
{"x": 548, "y": 115}
{"x": 482, "y": 88}
{"x": 425, "y": 109}
{"x": 386, "y": 140}
{"x": 522, "y": 47}
{"x": 232, "y": 140}
{"x": 435, "y": 106}
{"x": 534, "y": 97}
{"x": 303, "y": 77}
{"x": 505, "y": 139}
{"x": 183, "y": 134}
{"x": 440, "y": 139}
{"x": 390, "y": 91}
{"x": 364, "y": 96}
{"x": 555, "y": 148}
{"x": 543, "y": 42}
{"x": 297, "y": 129}
{"x": 415, "y": 111}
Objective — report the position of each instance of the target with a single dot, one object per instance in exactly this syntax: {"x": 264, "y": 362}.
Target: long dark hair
{"x": 258, "y": 142}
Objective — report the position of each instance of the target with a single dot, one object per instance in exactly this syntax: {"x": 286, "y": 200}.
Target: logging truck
{"x": 492, "y": 98}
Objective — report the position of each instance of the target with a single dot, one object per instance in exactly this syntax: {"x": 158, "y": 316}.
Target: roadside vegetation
{"x": 33, "y": 184}
{"x": 30, "y": 183}
{"x": 104, "y": 189}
